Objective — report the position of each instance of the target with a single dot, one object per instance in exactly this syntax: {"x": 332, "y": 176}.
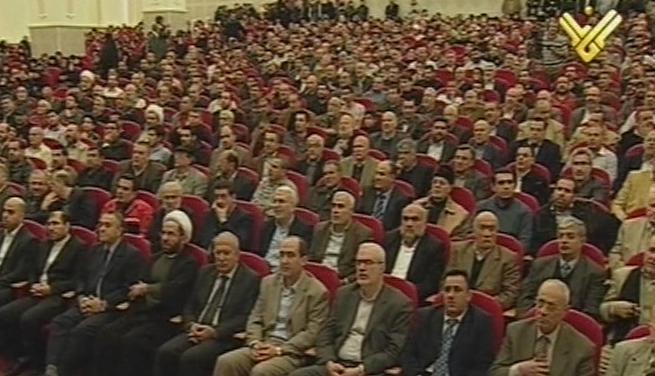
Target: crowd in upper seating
{"x": 316, "y": 158}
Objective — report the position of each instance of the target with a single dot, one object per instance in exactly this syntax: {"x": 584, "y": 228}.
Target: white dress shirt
{"x": 52, "y": 256}
{"x": 403, "y": 260}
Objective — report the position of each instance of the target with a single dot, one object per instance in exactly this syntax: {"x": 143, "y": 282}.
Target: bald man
{"x": 360, "y": 166}
{"x": 217, "y": 309}
{"x": 545, "y": 344}
{"x": 413, "y": 254}
{"x": 18, "y": 247}
{"x": 492, "y": 268}
{"x": 368, "y": 324}
{"x": 336, "y": 240}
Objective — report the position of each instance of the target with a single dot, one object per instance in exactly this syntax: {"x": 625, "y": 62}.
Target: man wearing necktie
{"x": 217, "y": 309}
{"x": 454, "y": 339}
{"x": 104, "y": 282}
{"x": 584, "y": 277}
{"x": 545, "y": 344}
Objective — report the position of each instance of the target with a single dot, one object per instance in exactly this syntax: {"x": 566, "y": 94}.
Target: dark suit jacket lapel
{"x": 417, "y": 256}
{"x": 392, "y": 251}
{"x": 323, "y": 237}
{"x": 377, "y": 313}
{"x": 119, "y": 253}
{"x": 561, "y": 353}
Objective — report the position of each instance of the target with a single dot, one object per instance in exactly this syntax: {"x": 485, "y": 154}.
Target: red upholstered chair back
{"x": 326, "y": 275}
{"x": 441, "y": 234}
{"x": 256, "y": 263}
{"x": 373, "y": 223}
{"x": 86, "y": 236}
{"x": 38, "y": 230}
{"x": 257, "y": 222}
{"x": 490, "y": 306}
{"x": 404, "y": 286}
{"x": 198, "y": 254}
{"x": 639, "y": 332}
{"x": 141, "y": 244}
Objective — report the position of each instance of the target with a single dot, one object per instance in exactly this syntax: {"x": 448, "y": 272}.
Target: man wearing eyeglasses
{"x": 368, "y": 325}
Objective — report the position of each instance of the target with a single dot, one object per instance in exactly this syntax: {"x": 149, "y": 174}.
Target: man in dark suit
{"x": 312, "y": 165}
{"x": 502, "y": 128}
{"x": 104, "y": 282}
{"x": 583, "y": 277}
{"x": 419, "y": 176}
{"x": 586, "y": 185}
{"x": 389, "y": 136}
{"x": 22, "y": 320}
{"x": 228, "y": 169}
{"x": 218, "y": 308}
{"x": 335, "y": 241}
{"x": 546, "y": 152}
{"x": 146, "y": 173}
{"x": 382, "y": 200}
{"x": 113, "y": 146}
{"x": 528, "y": 181}
{"x": 368, "y": 325}
{"x": 546, "y": 345}
{"x": 602, "y": 227}
{"x": 65, "y": 196}
{"x": 225, "y": 215}
{"x": 484, "y": 148}
{"x": 95, "y": 174}
{"x": 435, "y": 144}
{"x": 320, "y": 194}
{"x": 414, "y": 255}
{"x": 126, "y": 346}
{"x": 283, "y": 223}
{"x": 454, "y": 339}
{"x": 17, "y": 248}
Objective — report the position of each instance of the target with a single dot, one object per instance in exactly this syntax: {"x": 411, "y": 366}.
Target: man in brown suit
{"x": 336, "y": 240}
{"x": 291, "y": 309}
{"x": 545, "y": 344}
{"x": 493, "y": 269}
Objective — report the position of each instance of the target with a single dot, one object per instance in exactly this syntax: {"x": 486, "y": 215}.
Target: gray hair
{"x": 559, "y": 285}
{"x": 569, "y": 221}
{"x": 291, "y": 191}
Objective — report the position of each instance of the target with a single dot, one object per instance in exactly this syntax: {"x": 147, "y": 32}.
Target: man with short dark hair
{"x": 527, "y": 180}
{"x": 103, "y": 284}
{"x": 19, "y": 167}
{"x": 411, "y": 171}
{"x": 514, "y": 217}
{"x": 126, "y": 203}
{"x": 436, "y": 144}
{"x": 291, "y": 309}
{"x": 55, "y": 268}
{"x": 586, "y": 185}
{"x": 225, "y": 215}
{"x": 227, "y": 168}
{"x": 95, "y": 174}
{"x": 465, "y": 174}
{"x": 147, "y": 174}
{"x": 113, "y": 146}
{"x": 455, "y": 339}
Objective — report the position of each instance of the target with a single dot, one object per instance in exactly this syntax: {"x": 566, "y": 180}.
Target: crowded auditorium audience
{"x": 311, "y": 191}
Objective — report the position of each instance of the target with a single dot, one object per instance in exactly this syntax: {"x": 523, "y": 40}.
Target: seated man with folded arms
{"x": 634, "y": 357}
{"x": 455, "y": 339}
{"x": 634, "y": 235}
{"x": 583, "y": 276}
{"x": 545, "y": 344}
{"x": 368, "y": 324}
{"x": 630, "y": 296}
{"x": 218, "y": 307}
{"x": 291, "y": 309}
{"x": 335, "y": 241}
{"x": 492, "y": 268}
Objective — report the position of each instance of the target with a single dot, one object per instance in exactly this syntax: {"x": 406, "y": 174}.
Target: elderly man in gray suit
{"x": 584, "y": 277}
{"x": 545, "y": 344}
{"x": 368, "y": 325}
{"x": 291, "y": 310}
{"x": 634, "y": 357}
{"x": 335, "y": 242}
